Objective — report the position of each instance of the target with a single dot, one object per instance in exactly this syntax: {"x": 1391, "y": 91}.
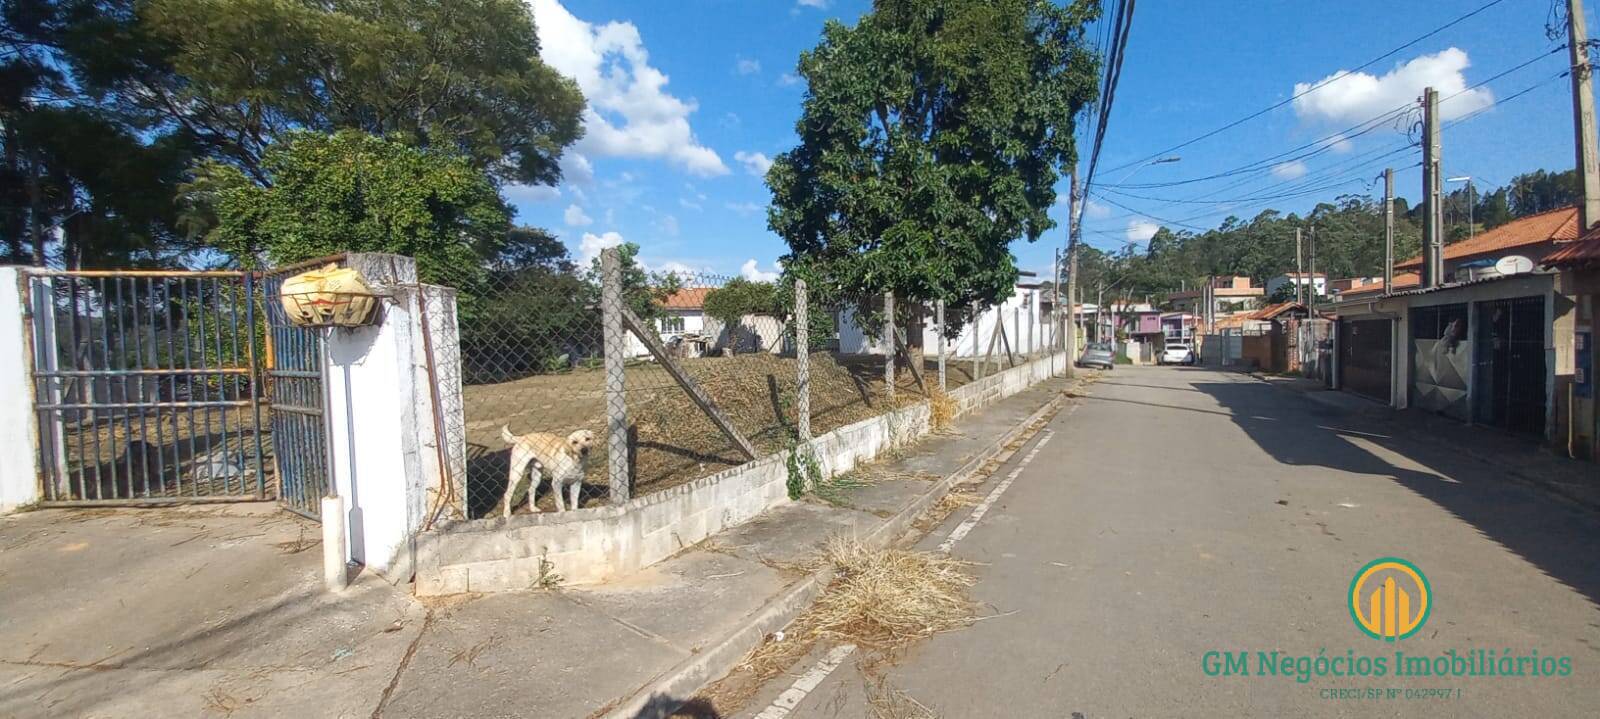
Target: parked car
{"x": 1177, "y": 353}
{"x": 1096, "y": 354}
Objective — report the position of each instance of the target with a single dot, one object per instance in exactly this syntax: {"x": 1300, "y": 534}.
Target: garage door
{"x": 1365, "y": 358}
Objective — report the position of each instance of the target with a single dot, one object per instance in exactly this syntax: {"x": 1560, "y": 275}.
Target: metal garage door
{"x": 1365, "y": 358}
{"x": 1509, "y": 377}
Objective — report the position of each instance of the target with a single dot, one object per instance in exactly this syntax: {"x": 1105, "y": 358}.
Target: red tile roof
{"x": 1581, "y": 253}
{"x": 1271, "y": 311}
{"x": 688, "y": 298}
{"x": 1552, "y": 226}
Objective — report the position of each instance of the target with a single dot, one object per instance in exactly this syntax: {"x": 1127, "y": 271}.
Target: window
{"x": 671, "y": 325}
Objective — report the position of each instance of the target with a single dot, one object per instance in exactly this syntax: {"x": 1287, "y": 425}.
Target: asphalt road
{"x": 1181, "y": 511}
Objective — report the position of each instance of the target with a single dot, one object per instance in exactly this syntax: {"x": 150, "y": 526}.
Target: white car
{"x": 1177, "y": 353}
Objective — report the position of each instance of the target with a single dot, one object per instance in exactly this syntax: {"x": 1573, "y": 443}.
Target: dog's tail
{"x": 505, "y": 434}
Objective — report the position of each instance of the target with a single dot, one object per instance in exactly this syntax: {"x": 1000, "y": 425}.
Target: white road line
{"x": 791, "y": 697}
{"x": 797, "y": 692}
{"x": 972, "y": 520}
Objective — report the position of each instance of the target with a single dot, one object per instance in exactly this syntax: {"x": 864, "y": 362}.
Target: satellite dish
{"x": 1513, "y": 265}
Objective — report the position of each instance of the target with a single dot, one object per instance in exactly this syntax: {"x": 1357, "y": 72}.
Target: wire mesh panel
{"x": 531, "y": 364}
{"x": 146, "y": 386}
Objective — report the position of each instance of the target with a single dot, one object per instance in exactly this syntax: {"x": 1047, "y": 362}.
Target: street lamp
{"x": 1472, "y": 228}
{"x": 1157, "y": 161}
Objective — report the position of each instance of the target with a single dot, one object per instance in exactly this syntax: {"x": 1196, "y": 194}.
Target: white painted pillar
{"x": 19, "y": 432}
{"x": 383, "y": 445}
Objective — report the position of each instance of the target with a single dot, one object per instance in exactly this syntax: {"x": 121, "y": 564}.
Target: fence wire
{"x": 533, "y": 361}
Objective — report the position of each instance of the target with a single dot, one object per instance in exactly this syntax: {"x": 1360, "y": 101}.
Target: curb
{"x": 664, "y": 695}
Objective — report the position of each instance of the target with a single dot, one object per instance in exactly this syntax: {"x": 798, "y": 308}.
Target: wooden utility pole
{"x": 1432, "y": 232}
{"x": 1299, "y": 270}
{"x": 1583, "y": 116}
{"x": 1388, "y": 230}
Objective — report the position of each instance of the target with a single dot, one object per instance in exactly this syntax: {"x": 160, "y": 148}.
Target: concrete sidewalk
{"x": 217, "y": 611}
{"x": 1524, "y": 459}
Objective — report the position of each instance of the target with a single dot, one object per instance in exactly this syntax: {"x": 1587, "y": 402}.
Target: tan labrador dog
{"x": 562, "y": 459}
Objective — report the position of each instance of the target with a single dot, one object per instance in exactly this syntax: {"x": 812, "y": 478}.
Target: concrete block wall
{"x": 593, "y": 545}
{"x": 19, "y": 463}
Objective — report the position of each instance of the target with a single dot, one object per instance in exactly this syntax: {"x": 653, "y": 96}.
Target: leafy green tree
{"x": 351, "y": 191}
{"x": 739, "y": 297}
{"x": 931, "y": 136}
{"x": 461, "y": 76}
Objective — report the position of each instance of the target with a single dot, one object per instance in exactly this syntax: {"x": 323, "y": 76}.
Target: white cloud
{"x": 787, "y": 79}
{"x": 1291, "y": 170}
{"x": 1357, "y": 96}
{"x": 1339, "y": 144}
{"x": 818, "y": 4}
{"x": 576, "y": 217}
{"x": 668, "y": 225}
{"x": 746, "y": 66}
{"x": 531, "y": 193}
{"x": 744, "y": 208}
{"x": 750, "y": 271}
{"x": 576, "y": 169}
{"x": 694, "y": 204}
{"x": 630, "y": 113}
{"x": 1096, "y": 211}
{"x": 1141, "y": 230}
{"x": 755, "y": 163}
{"x": 591, "y": 245}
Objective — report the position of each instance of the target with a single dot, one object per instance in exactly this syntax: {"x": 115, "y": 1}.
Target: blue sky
{"x": 690, "y": 99}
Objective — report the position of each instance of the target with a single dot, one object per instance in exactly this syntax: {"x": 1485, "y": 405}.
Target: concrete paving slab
{"x": 688, "y": 600}
{"x": 187, "y": 612}
{"x": 790, "y": 536}
{"x": 519, "y": 654}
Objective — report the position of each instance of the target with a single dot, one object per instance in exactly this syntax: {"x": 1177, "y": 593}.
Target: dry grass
{"x": 942, "y": 409}
{"x": 887, "y": 701}
{"x": 883, "y": 598}
{"x": 879, "y": 599}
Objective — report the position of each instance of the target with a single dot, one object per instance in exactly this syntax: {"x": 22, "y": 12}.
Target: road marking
{"x": 972, "y": 520}
{"x": 797, "y": 692}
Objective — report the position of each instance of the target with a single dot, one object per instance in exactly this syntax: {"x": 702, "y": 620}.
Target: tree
{"x": 739, "y": 297}
{"x": 462, "y": 76}
{"x": 349, "y": 191}
{"x": 931, "y": 136}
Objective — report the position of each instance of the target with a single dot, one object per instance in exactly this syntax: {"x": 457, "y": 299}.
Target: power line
{"x": 1313, "y": 88}
{"x": 1124, "y": 24}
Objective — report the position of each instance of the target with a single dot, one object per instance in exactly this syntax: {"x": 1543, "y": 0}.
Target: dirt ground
{"x": 674, "y": 441}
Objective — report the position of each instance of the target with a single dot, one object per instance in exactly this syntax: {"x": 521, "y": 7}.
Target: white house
{"x": 1316, "y": 280}
{"x": 1025, "y": 329}
{"x": 683, "y": 320}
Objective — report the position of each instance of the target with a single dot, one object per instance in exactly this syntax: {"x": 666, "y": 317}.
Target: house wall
{"x": 1406, "y": 355}
{"x": 19, "y": 465}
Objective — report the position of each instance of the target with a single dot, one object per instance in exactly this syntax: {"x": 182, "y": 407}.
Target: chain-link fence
{"x": 703, "y": 372}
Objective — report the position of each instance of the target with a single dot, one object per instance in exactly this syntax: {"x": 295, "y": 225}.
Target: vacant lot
{"x": 674, "y": 442}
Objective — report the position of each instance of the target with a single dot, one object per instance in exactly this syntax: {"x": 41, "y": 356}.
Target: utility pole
{"x": 1311, "y": 288}
{"x": 1073, "y": 226}
{"x": 1388, "y": 231}
{"x": 1299, "y": 270}
{"x": 1583, "y": 116}
{"x": 1432, "y": 238}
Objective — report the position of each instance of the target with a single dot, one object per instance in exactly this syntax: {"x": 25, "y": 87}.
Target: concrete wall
{"x": 592, "y": 545}
{"x": 19, "y": 461}
{"x": 383, "y": 445}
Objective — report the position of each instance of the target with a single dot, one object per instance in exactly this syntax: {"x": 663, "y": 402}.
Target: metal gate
{"x": 1366, "y": 357}
{"x": 297, "y": 389}
{"x": 1509, "y": 374}
{"x": 146, "y": 386}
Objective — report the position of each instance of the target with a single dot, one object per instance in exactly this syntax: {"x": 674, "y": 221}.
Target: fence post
{"x": 615, "y": 357}
{"x": 939, "y": 320}
{"x": 888, "y": 336}
{"x": 802, "y": 361}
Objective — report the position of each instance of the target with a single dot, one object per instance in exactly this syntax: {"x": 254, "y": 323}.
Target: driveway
{"x": 202, "y": 611}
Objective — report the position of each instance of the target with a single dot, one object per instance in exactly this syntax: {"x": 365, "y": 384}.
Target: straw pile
{"x": 883, "y": 598}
